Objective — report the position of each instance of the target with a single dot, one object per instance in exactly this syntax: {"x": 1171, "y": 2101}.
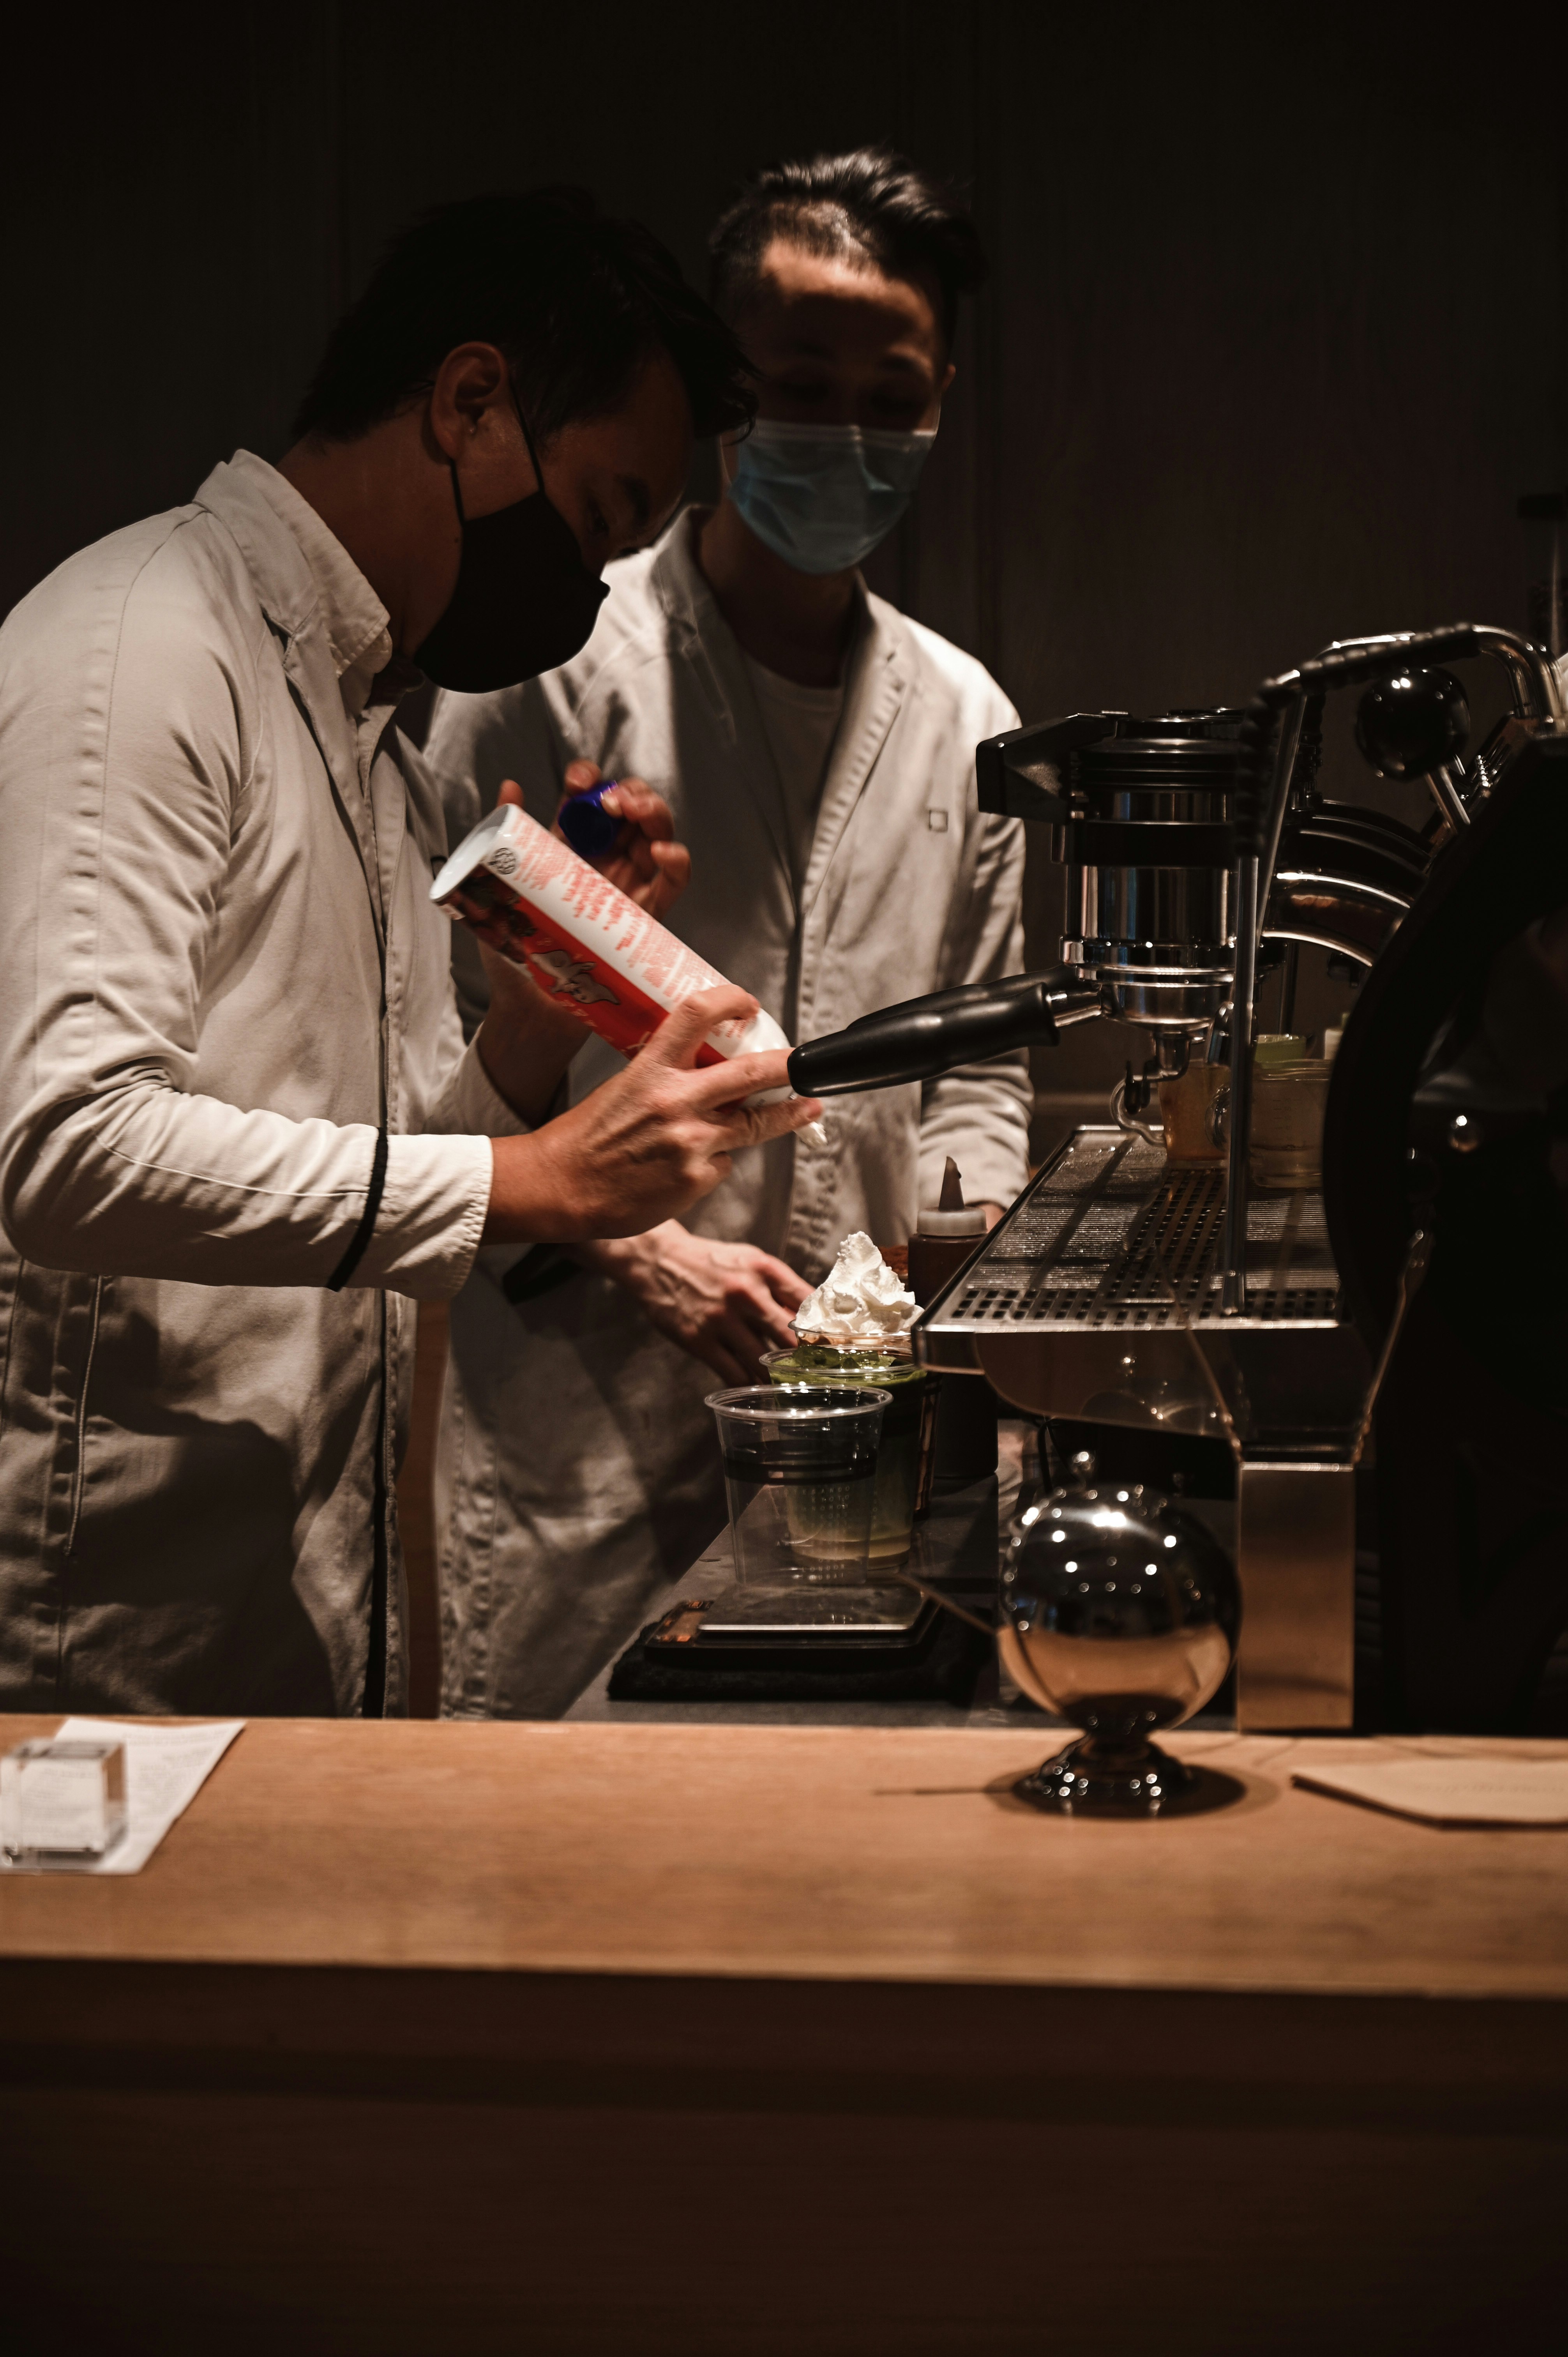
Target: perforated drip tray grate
{"x": 1109, "y": 1232}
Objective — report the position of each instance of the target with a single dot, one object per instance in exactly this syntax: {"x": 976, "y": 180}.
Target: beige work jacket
{"x": 908, "y": 888}
{"x": 219, "y": 974}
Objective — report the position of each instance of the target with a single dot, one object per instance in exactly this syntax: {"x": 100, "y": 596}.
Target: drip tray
{"x": 1099, "y": 1297}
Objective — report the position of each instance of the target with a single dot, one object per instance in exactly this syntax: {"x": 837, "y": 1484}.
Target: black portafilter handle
{"x": 924, "y": 1038}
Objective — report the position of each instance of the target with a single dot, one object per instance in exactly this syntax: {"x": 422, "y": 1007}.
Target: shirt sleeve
{"x": 127, "y": 730}
{"x": 980, "y": 1114}
{"x": 424, "y": 1241}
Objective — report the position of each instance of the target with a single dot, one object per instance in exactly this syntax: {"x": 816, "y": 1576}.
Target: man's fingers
{"x": 511, "y": 792}
{"x": 678, "y": 1037}
{"x": 772, "y": 1322}
{"x": 580, "y": 777}
{"x": 739, "y": 1076}
{"x": 732, "y": 1128}
{"x": 728, "y": 1367}
{"x": 629, "y": 798}
{"x": 673, "y": 862}
{"x": 739, "y": 1340}
{"x": 760, "y": 1296}
{"x": 735, "y": 1126}
{"x": 778, "y": 1120}
{"x": 782, "y": 1282}
{"x": 721, "y": 1093}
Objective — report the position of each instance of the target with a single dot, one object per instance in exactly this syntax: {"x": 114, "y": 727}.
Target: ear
{"x": 470, "y": 388}
{"x": 947, "y": 379}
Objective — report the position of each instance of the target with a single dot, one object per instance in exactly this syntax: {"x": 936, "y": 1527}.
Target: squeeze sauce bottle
{"x": 966, "y": 1415}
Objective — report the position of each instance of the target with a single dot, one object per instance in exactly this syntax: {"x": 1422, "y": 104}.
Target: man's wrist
{"x": 525, "y": 1043}
{"x": 623, "y": 1258}
{"x": 530, "y": 1198}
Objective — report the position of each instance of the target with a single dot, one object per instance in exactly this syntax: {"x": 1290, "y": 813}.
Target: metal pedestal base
{"x": 1091, "y": 1778}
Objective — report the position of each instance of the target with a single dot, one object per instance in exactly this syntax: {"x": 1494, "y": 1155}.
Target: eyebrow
{"x": 802, "y": 348}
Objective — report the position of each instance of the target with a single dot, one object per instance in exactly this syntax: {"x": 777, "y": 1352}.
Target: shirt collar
{"x": 357, "y": 625}
{"x": 686, "y": 592}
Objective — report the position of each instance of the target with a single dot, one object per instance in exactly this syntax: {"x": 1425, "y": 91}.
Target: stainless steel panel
{"x": 1296, "y": 1555}
{"x": 1169, "y": 905}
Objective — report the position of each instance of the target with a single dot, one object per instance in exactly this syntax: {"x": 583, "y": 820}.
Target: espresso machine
{"x": 1125, "y": 1290}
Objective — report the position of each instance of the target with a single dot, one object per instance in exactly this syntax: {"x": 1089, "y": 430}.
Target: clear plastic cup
{"x": 1289, "y": 1101}
{"x": 904, "y": 1461}
{"x": 800, "y": 1475}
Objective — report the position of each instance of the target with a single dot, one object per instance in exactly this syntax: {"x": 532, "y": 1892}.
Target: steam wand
{"x": 921, "y": 1038}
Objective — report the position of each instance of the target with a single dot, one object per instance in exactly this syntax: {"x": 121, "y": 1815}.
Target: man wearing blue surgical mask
{"x": 817, "y": 750}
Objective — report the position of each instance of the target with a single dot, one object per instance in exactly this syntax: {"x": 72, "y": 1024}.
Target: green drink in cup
{"x": 854, "y": 1331}
{"x": 911, "y": 1406}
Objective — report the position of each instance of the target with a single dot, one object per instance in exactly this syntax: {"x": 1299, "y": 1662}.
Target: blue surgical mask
{"x": 822, "y": 497}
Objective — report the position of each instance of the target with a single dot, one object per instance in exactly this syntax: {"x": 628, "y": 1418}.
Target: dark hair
{"x": 576, "y": 300}
{"x": 870, "y": 201}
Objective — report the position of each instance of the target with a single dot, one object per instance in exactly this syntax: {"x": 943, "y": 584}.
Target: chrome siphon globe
{"x": 1120, "y": 1612}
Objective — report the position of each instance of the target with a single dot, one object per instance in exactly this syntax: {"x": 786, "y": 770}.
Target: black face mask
{"x": 524, "y": 601}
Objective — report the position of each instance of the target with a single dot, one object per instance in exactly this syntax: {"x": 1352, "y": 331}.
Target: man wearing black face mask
{"x": 238, "y": 1128}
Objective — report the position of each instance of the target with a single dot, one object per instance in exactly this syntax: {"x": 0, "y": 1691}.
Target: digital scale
{"x": 811, "y": 1641}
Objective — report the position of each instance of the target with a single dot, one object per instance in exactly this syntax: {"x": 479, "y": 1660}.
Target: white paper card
{"x": 166, "y": 1767}
{"x": 1460, "y": 1789}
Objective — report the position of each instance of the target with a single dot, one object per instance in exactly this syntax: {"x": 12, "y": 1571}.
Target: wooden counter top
{"x": 887, "y": 1856}
{"x": 727, "y": 2041}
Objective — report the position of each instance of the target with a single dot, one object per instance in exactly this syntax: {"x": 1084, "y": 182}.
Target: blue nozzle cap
{"x": 588, "y": 827}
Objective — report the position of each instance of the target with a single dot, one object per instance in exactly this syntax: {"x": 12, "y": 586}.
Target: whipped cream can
{"x": 584, "y": 943}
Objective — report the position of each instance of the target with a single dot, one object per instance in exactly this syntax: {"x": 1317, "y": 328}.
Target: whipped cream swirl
{"x": 859, "y": 1299}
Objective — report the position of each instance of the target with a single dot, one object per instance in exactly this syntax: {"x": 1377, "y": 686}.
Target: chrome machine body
{"x": 1120, "y": 1289}
{"x": 1142, "y": 820}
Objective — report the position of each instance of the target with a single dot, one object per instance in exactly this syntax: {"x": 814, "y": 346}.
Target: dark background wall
{"x": 1276, "y": 336}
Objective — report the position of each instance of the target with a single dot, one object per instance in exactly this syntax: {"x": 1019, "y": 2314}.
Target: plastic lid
{"x": 588, "y": 827}
{"x": 798, "y": 1402}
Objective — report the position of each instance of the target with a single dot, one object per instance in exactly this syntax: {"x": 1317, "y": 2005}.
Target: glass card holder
{"x": 63, "y": 1805}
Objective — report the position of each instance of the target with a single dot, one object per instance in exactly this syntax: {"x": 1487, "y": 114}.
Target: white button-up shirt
{"x": 220, "y": 974}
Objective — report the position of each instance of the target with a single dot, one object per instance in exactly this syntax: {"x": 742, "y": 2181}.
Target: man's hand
{"x": 648, "y": 1144}
{"x": 726, "y": 1304}
{"x": 647, "y": 865}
